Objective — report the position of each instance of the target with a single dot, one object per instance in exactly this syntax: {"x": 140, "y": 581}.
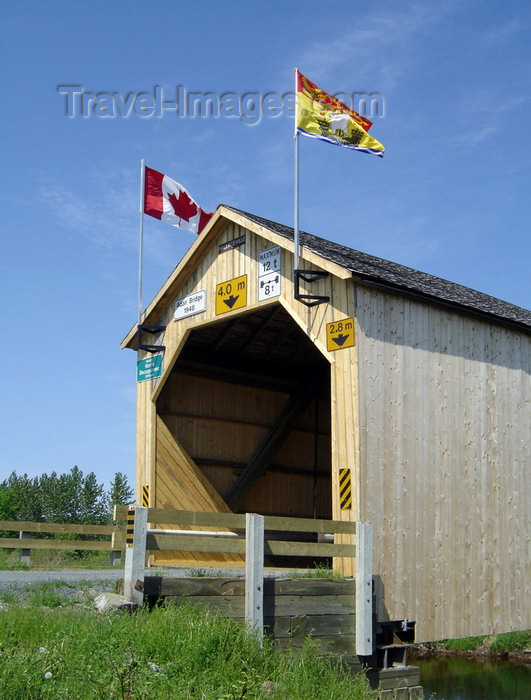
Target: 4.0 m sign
{"x": 231, "y": 295}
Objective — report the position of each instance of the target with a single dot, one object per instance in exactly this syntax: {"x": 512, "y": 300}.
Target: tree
{"x": 8, "y": 504}
{"x": 93, "y": 501}
{"x": 26, "y": 495}
{"x": 120, "y": 492}
{"x": 74, "y": 498}
{"x": 8, "y": 509}
{"x": 62, "y": 498}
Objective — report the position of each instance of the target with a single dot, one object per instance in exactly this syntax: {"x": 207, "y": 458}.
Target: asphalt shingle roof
{"x": 401, "y": 278}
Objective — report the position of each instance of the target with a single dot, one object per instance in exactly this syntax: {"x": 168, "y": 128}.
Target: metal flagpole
{"x": 141, "y": 242}
{"x": 308, "y": 276}
{"x": 296, "y": 182}
{"x": 141, "y": 327}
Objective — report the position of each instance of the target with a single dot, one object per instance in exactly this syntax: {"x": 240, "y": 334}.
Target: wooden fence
{"x": 26, "y": 543}
{"x": 251, "y": 535}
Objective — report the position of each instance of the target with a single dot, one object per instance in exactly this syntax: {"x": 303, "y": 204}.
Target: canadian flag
{"x": 168, "y": 201}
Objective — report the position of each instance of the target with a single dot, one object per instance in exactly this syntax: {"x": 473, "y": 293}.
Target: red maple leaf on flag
{"x": 183, "y": 206}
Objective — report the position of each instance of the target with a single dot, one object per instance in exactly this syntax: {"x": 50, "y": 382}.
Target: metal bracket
{"x": 152, "y": 330}
{"x": 309, "y": 276}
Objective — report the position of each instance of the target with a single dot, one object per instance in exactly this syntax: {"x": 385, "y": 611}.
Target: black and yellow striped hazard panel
{"x": 130, "y": 527}
{"x": 145, "y": 495}
{"x": 345, "y": 489}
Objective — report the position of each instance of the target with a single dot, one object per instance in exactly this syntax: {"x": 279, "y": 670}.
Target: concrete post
{"x": 254, "y": 573}
{"x": 135, "y": 557}
{"x": 24, "y": 555}
{"x": 364, "y": 637}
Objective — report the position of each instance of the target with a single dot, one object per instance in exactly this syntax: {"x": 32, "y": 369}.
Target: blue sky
{"x": 450, "y": 197}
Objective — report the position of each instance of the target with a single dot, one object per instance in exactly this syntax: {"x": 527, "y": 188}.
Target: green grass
{"x": 56, "y": 559}
{"x": 465, "y": 644}
{"x": 9, "y": 561}
{"x": 52, "y": 594}
{"x": 167, "y": 653}
{"x": 8, "y": 597}
{"x": 511, "y": 642}
{"x": 48, "y": 595}
{"x": 501, "y": 644}
{"x": 318, "y": 571}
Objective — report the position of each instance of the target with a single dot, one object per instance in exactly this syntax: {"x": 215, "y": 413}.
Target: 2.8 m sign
{"x": 340, "y": 334}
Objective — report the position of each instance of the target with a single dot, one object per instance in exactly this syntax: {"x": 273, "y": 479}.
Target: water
{"x": 457, "y": 678}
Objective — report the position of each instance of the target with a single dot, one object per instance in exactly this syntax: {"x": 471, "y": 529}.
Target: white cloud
{"x": 380, "y": 49}
{"x": 103, "y": 212}
{"x": 501, "y": 34}
{"x": 486, "y": 113}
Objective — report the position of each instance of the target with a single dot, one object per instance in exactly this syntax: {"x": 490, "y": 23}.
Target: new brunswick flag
{"x": 322, "y": 116}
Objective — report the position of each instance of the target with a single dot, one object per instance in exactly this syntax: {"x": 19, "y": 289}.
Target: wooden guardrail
{"x": 253, "y": 536}
{"x": 26, "y": 543}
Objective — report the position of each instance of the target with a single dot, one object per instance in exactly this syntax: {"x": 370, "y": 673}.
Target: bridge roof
{"x": 400, "y": 278}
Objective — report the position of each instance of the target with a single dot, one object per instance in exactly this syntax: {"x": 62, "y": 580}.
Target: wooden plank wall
{"x": 344, "y": 413}
{"x": 220, "y": 425}
{"x": 145, "y": 436}
{"x": 180, "y": 485}
{"x": 445, "y": 433}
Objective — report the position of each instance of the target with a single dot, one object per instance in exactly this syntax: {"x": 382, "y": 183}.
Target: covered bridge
{"x": 358, "y": 390}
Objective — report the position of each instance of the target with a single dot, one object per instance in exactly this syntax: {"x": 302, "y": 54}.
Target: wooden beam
{"x": 260, "y": 329}
{"x": 195, "y": 543}
{"x": 233, "y": 374}
{"x": 235, "y": 545}
{"x": 281, "y": 337}
{"x": 185, "y": 481}
{"x": 260, "y": 460}
{"x": 238, "y": 467}
{"x": 224, "y": 334}
{"x": 285, "y": 524}
{"x": 57, "y": 528}
{"x": 235, "y": 521}
{"x": 12, "y": 543}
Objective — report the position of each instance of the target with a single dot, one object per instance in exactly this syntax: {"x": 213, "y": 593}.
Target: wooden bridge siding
{"x": 145, "y": 436}
{"x": 147, "y": 391}
{"x": 286, "y": 493}
{"x": 160, "y": 461}
{"x": 344, "y": 414}
{"x": 445, "y": 422}
{"x": 205, "y": 274}
{"x": 182, "y": 486}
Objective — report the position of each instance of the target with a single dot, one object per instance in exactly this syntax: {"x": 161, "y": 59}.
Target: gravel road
{"x": 16, "y": 579}
{"x": 103, "y": 579}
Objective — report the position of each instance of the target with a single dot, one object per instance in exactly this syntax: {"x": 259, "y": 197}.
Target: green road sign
{"x": 149, "y": 368}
